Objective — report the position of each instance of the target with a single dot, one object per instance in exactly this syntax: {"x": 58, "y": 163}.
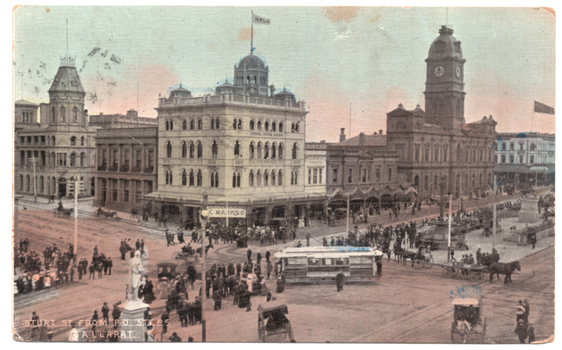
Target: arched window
{"x": 251, "y": 179}
{"x": 171, "y": 177}
{"x": 266, "y": 126}
{"x": 273, "y": 126}
{"x": 445, "y": 152}
{"x": 236, "y": 149}
{"x": 259, "y": 150}
{"x": 191, "y": 149}
{"x": 295, "y": 150}
{"x": 252, "y": 147}
{"x": 217, "y": 125}
{"x": 82, "y": 159}
{"x": 199, "y": 149}
{"x": 73, "y": 159}
{"x": 192, "y": 124}
{"x": 41, "y": 184}
{"x": 239, "y": 124}
{"x": 280, "y": 150}
{"x": 280, "y": 178}
{"x": 459, "y": 153}
{"x": 258, "y": 176}
{"x": 73, "y": 141}
{"x": 259, "y": 124}
{"x": 512, "y": 146}
{"x": 216, "y": 178}
{"x": 184, "y": 149}
{"x": 167, "y": 125}
{"x": 436, "y": 152}
{"x": 184, "y": 124}
{"x": 53, "y": 159}
{"x": 265, "y": 178}
{"x": 215, "y": 149}
{"x": 273, "y": 150}
{"x": 532, "y": 159}
{"x": 191, "y": 178}
{"x": 171, "y": 125}
{"x": 75, "y": 115}
{"x": 169, "y": 150}
{"x": 82, "y": 141}
{"x": 533, "y": 147}
{"x": 200, "y": 124}
{"x": 199, "y": 178}
{"x": 252, "y": 124}
{"x": 280, "y": 127}
{"x": 297, "y": 127}
{"x": 511, "y": 159}
{"x": 184, "y": 177}
{"x": 266, "y": 151}
{"x": 53, "y": 115}
{"x": 503, "y": 158}
{"x": 212, "y": 126}
{"x": 273, "y": 178}
{"x": 62, "y": 114}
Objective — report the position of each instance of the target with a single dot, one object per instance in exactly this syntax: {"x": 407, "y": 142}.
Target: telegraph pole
{"x": 76, "y": 187}
{"x": 204, "y": 215}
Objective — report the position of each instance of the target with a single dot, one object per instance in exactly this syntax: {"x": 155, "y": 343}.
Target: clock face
{"x": 439, "y": 71}
{"x": 458, "y": 72}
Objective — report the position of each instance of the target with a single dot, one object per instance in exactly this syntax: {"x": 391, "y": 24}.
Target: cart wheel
{"x": 446, "y": 272}
{"x": 473, "y": 276}
{"x": 176, "y": 256}
{"x": 483, "y": 329}
{"x": 454, "y": 271}
{"x": 428, "y": 263}
{"x": 261, "y": 330}
{"x": 418, "y": 264}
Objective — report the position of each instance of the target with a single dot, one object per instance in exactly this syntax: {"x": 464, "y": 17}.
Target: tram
{"x": 320, "y": 265}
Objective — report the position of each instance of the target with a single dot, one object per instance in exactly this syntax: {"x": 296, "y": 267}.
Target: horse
{"x": 504, "y": 269}
{"x": 200, "y": 250}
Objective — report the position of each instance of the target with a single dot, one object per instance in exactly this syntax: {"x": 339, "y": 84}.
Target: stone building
{"x": 525, "y": 157}
{"x": 436, "y": 147}
{"x": 130, "y": 120}
{"x": 58, "y": 137}
{"x": 126, "y": 166}
{"x": 243, "y": 145}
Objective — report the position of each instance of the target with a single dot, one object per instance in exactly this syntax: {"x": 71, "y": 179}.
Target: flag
{"x": 260, "y": 20}
{"x": 542, "y": 108}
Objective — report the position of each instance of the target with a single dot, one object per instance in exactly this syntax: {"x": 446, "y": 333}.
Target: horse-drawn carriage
{"x": 187, "y": 254}
{"x": 459, "y": 269}
{"x": 420, "y": 259}
{"x": 166, "y": 272}
{"x": 107, "y": 214}
{"x": 272, "y": 320}
{"x": 64, "y": 212}
{"x": 468, "y": 319}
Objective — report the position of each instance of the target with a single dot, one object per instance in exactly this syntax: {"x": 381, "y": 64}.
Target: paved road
{"x": 407, "y": 305}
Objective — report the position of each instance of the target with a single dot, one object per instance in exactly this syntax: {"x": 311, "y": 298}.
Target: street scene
{"x": 251, "y": 212}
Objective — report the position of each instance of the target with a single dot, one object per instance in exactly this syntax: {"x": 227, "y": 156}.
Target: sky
{"x": 357, "y": 62}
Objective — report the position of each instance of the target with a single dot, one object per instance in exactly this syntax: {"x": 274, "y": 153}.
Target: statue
{"x": 136, "y": 272}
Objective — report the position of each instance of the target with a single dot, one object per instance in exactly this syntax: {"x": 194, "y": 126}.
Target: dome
{"x": 180, "y": 92}
{"x": 252, "y": 62}
{"x": 445, "y": 45}
{"x": 285, "y": 95}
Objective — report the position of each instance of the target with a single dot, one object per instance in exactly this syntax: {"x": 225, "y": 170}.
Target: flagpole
{"x": 252, "y": 34}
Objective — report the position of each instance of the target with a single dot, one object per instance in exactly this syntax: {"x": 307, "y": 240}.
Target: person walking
{"x": 105, "y": 313}
{"x": 527, "y": 310}
{"x": 520, "y": 312}
{"x": 109, "y": 265}
{"x": 340, "y": 280}
{"x": 165, "y": 319}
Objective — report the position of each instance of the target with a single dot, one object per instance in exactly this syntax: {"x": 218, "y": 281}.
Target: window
{"x": 41, "y": 184}
{"x": 521, "y": 145}
{"x": 184, "y": 125}
{"x": 364, "y": 175}
{"x": 169, "y": 178}
{"x": 349, "y": 175}
{"x": 82, "y": 159}
{"x": 438, "y": 109}
{"x": 417, "y": 153}
{"x": 21, "y": 182}
{"x": 512, "y": 146}
{"x": 533, "y": 147}
{"x": 389, "y": 174}
{"x": 171, "y": 125}
{"x": 259, "y": 125}
{"x": 266, "y": 151}
{"x": 191, "y": 150}
{"x": 62, "y": 114}
{"x": 445, "y": 152}
{"x": 191, "y": 178}
{"x": 169, "y": 150}
{"x": 125, "y": 190}
{"x": 258, "y": 178}
{"x": 459, "y": 153}
{"x": 520, "y": 159}
{"x": 199, "y": 124}
{"x": 511, "y": 159}
{"x": 236, "y": 179}
{"x": 251, "y": 179}
{"x": 273, "y": 126}
{"x": 259, "y": 150}
{"x": 184, "y": 177}
{"x": 212, "y": 124}
{"x": 335, "y": 175}
{"x": 265, "y": 178}
{"x": 75, "y": 115}
{"x": 215, "y": 149}
{"x": 309, "y": 176}
{"x": 272, "y": 177}
{"x": 532, "y": 159}
{"x": 280, "y": 178}
{"x": 252, "y": 150}
{"x": 199, "y": 178}
{"x": 273, "y": 150}
{"x": 295, "y": 150}
{"x": 217, "y": 124}
{"x": 252, "y": 125}
{"x": 214, "y": 179}
{"x": 315, "y": 176}
{"x": 73, "y": 141}
{"x": 27, "y": 183}
{"x": 184, "y": 149}
{"x": 280, "y": 151}
{"x": 426, "y": 153}
{"x": 280, "y": 127}
{"x": 82, "y": 141}
{"x": 503, "y": 158}
{"x": 199, "y": 149}
{"x": 192, "y": 124}
{"x": 167, "y": 125}
{"x": 236, "y": 149}
{"x": 266, "y": 126}
{"x": 22, "y": 140}
{"x": 436, "y": 153}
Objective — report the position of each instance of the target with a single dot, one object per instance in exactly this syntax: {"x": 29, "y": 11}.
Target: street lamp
{"x": 204, "y": 215}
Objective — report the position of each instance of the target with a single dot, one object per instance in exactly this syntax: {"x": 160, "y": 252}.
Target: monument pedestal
{"x": 132, "y": 321}
{"x": 529, "y": 212}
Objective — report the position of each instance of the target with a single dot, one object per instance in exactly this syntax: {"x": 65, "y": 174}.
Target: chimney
{"x": 342, "y": 135}
{"x": 361, "y": 139}
{"x": 380, "y": 132}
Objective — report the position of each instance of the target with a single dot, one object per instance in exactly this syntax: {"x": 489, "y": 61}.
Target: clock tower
{"x": 444, "y": 87}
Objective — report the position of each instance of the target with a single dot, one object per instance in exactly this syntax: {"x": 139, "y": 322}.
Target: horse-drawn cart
{"x": 459, "y": 269}
{"x": 468, "y": 319}
{"x": 272, "y": 321}
{"x": 107, "y": 214}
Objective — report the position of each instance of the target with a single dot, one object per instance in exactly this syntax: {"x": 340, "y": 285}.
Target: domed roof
{"x": 180, "y": 92}
{"x": 445, "y": 45}
{"x": 251, "y": 61}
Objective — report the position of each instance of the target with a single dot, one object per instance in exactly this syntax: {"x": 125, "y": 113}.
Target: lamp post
{"x": 204, "y": 215}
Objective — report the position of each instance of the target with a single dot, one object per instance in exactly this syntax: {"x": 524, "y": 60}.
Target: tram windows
{"x": 313, "y": 262}
{"x": 341, "y": 261}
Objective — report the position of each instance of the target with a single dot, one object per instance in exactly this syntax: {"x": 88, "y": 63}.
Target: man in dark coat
{"x": 339, "y": 280}
{"x": 105, "y": 312}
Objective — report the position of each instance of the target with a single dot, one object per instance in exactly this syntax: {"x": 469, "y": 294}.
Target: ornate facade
{"x": 435, "y": 147}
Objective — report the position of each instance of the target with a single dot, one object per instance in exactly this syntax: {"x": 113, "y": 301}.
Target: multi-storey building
{"x": 126, "y": 166}
{"x": 58, "y": 138}
{"x": 525, "y": 157}
{"x": 243, "y": 146}
{"x": 130, "y": 120}
{"x": 437, "y": 148}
